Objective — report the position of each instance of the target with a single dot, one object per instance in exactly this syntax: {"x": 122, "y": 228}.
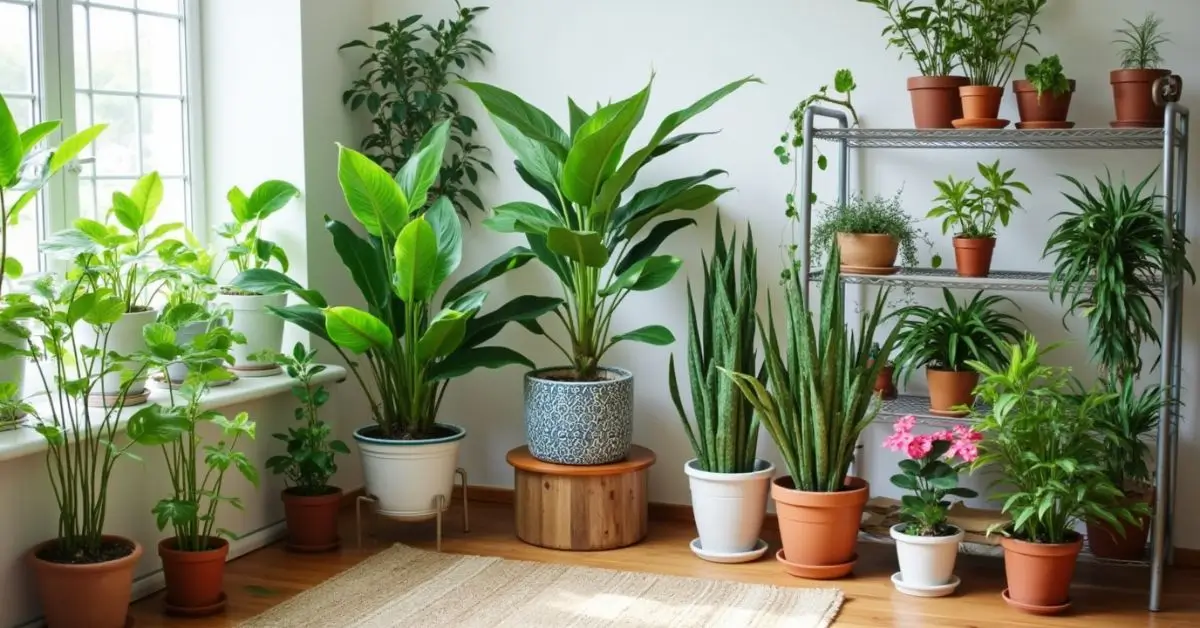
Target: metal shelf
{"x": 918, "y": 407}
{"x": 999, "y": 280}
{"x": 1115, "y": 139}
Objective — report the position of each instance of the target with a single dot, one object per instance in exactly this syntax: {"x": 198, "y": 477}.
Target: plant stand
{"x": 443, "y": 506}
{"x": 593, "y": 507}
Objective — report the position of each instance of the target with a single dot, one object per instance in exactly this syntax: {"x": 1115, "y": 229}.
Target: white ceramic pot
{"x": 124, "y": 337}
{"x": 407, "y": 476}
{"x": 263, "y": 330}
{"x": 926, "y": 561}
{"x": 178, "y": 371}
{"x": 13, "y": 369}
{"x": 729, "y": 507}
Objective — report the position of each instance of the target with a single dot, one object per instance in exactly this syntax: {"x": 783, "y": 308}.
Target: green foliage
{"x": 404, "y": 89}
{"x": 878, "y": 215}
{"x": 309, "y": 462}
{"x": 1123, "y": 424}
{"x": 1047, "y": 76}
{"x": 1140, "y": 42}
{"x": 1042, "y": 438}
{"x": 586, "y": 230}
{"x": 13, "y": 408}
{"x": 819, "y": 395}
{"x": 409, "y": 349}
{"x": 927, "y": 32}
{"x": 1109, "y": 260}
{"x": 972, "y": 211}
{"x": 247, "y": 248}
{"x": 951, "y": 337}
{"x": 992, "y": 34}
{"x": 721, "y": 336}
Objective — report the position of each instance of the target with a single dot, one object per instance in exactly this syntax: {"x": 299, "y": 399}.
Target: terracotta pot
{"x": 1039, "y": 574}
{"x": 935, "y": 100}
{"x": 95, "y": 595}
{"x": 981, "y": 102}
{"x": 1105, "y": 542}
{"x": 1047, "y": 108}
{"x": 950, "y": 389}
{"x": 195, "y": 580}
{"x": 867, "y": 250}
{"x": 819, "y": 530}
{"x": 973, "y": 256}
{"x": 1133, "y": 97}
{"x": 885, "y": 382}
{"x": 312, "y": 520}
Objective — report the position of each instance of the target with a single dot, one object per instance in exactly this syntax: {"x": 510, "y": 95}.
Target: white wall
{"x": 595, "y": 50}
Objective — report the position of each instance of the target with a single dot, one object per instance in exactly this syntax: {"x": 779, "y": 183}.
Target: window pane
{"x": 160, "y": 6}
{"x": 23, "y": 237}
{"x": 128, "y": 4}
{"x": 16, "y": 72}
{"x": 160, "y": 55}
{"x": 117, "y": 147}
{"x": 162, "y": 136}
{"x": 83, "y": 68}
{"x": 87, "y": 199}
{"x": 22, "y": 111}
{"x": 173, "y": 203}
{"x": 83, "y": 120}
{"x": 114, "y": 60}
{"x": 104, "y": 192}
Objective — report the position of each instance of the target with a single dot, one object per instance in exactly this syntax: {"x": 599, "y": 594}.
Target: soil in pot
{"x": 936, "y": 102}
{"x": 77, "y": 592}
{"x": 950, "y": 389}
{"x": 1049, "y": 107}
{"x": 1133, "y": 97}
{"x": 868, "y": 251}
{"x": 819, "y": 530}
{"x": 980, "y": 102}
{"x": 1039, "y": 574}
{"x": 195, "y": 580}
{"x": 1106, "y": 542}
{"x": 312, "y": 519}
{"x": 973, "y": 256}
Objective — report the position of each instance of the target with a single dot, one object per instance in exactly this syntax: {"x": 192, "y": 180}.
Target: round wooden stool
{"x": 568, "y": 507}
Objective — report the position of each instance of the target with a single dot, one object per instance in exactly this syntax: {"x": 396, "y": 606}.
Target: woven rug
{"x": 408, "y": 587}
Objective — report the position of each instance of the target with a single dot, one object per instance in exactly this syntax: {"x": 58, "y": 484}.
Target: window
{"x": 20, "y": 85}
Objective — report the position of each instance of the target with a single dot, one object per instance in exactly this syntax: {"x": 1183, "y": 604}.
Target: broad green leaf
{"x": 72, "y": 146}
{"x": 577, "y": 115}
{"x": 649, "y": 244}
{"x": 304, "y": 316}
{"x": 523, "y": 117}
{"x": 464, "y": 361}
{"x": 158, "y": 334}
{"x": 267, "y": 250}
{"x": 598, "y": 147}
{"x": 650, "y": 198}
{"x": 533, "y": 158}
{"x": 80, "y": 306}
{"x": 524, "y": 308}
{"x": 126, "y": 211}
{"x": 364, "y": 261}
{"x": 355, "y": 330}
{"x": 105, "y": 311}
{"x": 36, "y": 133}
{"x": 444, "y": 334}
{"x": 147, "y": 195}
{"x": 12, "y": 268}
{"x": 510, "y": 260}
{"x": 239, "y": 204}
{"x": 656, "y": 335}
{"x": 522, "y": 217}
{"x": 267, "y": 281}
{"x": 68, "y": 244}
{"x": 416, "y": 257}
{"x": 690, "y": 199}
{"x": 270, "y": 197}
{"x": 648, "y": 274}
{"x": 11, "y": 148}
{"x": 375, "y": 200}
{"x": 584, "y": 247}
{"x": 448, "y": 232}
{"x": 156, "y": 425}
{"x": 418, "y": 174}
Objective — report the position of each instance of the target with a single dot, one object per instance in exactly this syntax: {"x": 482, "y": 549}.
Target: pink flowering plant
{"x": 931, "y": 472}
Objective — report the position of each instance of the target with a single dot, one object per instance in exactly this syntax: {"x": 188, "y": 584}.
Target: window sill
{"x": 24, "y": 441}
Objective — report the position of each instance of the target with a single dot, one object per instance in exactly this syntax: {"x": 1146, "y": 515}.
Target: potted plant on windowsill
{"x": 991, "y": 35}
{"x": 190, "y": 301}
{"x": 1135, "y": 84}
{"x": 1041, "y": 436}
{"x": 946, "y": 340}
{"x": 582, "y": 413}
{"x": 973, "y": 211}
{"x": 818, "y": 399}
{"x": 250, "y": 312}
{"x": 1044, "y": 97}
{"x": 871, "y": 234}
{"x": 310, "y": 503}
{"x": 885, "y": 382}
{"x": 728, "y": 483}
{"x": 412, "y": 350}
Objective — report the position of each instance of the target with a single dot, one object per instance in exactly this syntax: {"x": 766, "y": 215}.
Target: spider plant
{"x": 1139, "y": 43}
{"x": 1123, "y": 424}
{"x": 949, "y": 337}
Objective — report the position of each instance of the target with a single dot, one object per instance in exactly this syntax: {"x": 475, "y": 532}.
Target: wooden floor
{"x": 1104, "y": 597}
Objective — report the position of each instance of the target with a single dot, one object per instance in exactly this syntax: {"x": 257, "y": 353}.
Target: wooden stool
{"x": 568, "y": 507}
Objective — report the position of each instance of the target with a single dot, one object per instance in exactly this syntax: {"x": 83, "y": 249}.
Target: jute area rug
{"x": 407, "y": 587}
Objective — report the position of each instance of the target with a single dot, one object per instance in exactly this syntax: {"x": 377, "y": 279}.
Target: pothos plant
{"x": 930, "y": 473}
{"x": 247, "y": 248}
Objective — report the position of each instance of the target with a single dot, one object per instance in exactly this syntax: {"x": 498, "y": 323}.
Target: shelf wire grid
{"x": 1096, "y": 138}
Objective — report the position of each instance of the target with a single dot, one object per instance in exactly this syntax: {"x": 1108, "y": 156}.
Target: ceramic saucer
{"x": 760, "y": 548}
{"x": 916, "y": 591}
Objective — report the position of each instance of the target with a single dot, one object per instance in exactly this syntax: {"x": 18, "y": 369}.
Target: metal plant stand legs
{"x": 442, "y": 506}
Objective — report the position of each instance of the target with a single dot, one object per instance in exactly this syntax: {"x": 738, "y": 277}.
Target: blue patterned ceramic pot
{"x": 570, "y": 422}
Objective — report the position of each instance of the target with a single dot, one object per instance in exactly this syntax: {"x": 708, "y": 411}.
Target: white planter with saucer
{"x": 729, "y": 509}
{"x": 124, "y": 337}
{"x": 926, "y": 563}
{"x": 263, "y": 330}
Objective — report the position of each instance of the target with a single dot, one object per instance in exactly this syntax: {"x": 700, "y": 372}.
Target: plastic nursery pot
{"x": 1039, "y": 574}
{"x": 949, "y": 390}
{"x": 973, "y": 256}
{"x": 1133, "y": 97}
{"x": 981, "y": 102}
{"x": 312, "y": 520}
{"x": 819, "y": 530}
{"x": 885, "y": 382}
{"x": 195, "y": 580}
{"x": 926, "y": 561}
{"x": 1049, "y": 107}
{"x": 936, "y": 103}
{"x": 95, "y": 595}
{"x": 1106, "y": 542}
{"x": 871, "y": 253}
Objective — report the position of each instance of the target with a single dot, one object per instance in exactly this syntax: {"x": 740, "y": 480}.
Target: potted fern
{"x": 728, "y": 483}
{"x": 1134, "y": 85}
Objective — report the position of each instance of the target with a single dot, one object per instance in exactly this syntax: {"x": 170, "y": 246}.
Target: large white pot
{"x": 13, "y": 369}
{"x": 926, "y": 561}
{"x": 407, "y": 476}
{"x": 124, "y": 337}
{"x": 729, "y": 507}
{"x": 178, "y": 371}
{"x": 263, "y": 330}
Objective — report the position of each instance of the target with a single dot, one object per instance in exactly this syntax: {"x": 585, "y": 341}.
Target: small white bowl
{"x": 915, "y": 591}
{"x": 760, "y": 548}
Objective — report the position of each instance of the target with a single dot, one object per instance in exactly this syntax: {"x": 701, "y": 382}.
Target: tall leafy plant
{"x": 926, "y": 32}
{"x": 992, "y": 34}
{"x": 721, "y": 336}
{"x": 589, "y": 227}
{"x": 247, "y": 248}
{"x": 1123, "y": 425}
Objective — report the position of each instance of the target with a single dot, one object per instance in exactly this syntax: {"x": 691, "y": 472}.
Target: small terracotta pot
{"x": 867, "y": 250}
{"x": 973, "y": 256}
{"x": 1039, "y": 574}
{"x": 195, "y": 580}
{"x": 819, "y": 530}
{"x": 1105, "y": 542}
{"x": 1047, "y": 108}
{"x": 885, "y": 382}
{"x": 95, "y": 595}
{"x": 1133, "y": 97}
{"x": 312, "y": 520}
{"x": 981, "y": 102}
{"x": 935, "y": 100}
{"x": 950, "y": 389}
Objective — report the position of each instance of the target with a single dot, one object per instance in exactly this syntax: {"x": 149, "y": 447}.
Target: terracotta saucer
{"x": 1029, "y": 126}
{"x": 198, "y": 611}
{"x": 950, "y": 414}
{"x": 1136, "y": 124}
{"x": 867, "y": 270}
{"x": 1034, "y": 609}
{"x": 980, "y": 123}
{"x": 816, "y": 572}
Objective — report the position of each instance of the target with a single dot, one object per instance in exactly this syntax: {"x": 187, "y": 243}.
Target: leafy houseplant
{"x": 586, "y": 237}
{"x": 946, "y": 340}
{"x": 404, "y": 89}
{"x": 190, "y": 293}
{"x": 1044, "y": 97}
{"x": 13, "y": 408}
{"x": 871, "y": 233}
{"x": 972, "y": 212}
{"x": 818, "y": 399}
{"x": 992, "y": 33}
{"x": 1134, "y": 85}
{"x": 728, "y": 482}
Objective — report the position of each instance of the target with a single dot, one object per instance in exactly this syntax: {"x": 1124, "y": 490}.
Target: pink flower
{"x": 945, "y": 435}
{"x": 906, "y": 424}
{"x": 920, "y": 446}
{"x": 964, "y": 449}
{"x": 962, "y": 432}
{"x": 898, "y": 441}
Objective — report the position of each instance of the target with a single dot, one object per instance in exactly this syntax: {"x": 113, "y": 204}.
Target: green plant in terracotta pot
{"x": 885, "y": 383}
{"x": 991, "y": 35}
{"x": 1141, "y": 75}
{"x": 871, "y": 233}
{"x": 972, "y": 213}
{"x": 1044, "y": 97}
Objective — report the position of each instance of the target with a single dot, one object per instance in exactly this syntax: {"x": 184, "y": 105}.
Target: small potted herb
{"x": 871, "y": 234}
{"x": 926, "y": 544}
{"x": 310, "y": 503}
{"x": 885, "y": 382}
{"x": 1044, "y": 97}
{"x": 973, "y": 211}
{"x": 1141, "y": 68}
{"x": 992, "y": 33}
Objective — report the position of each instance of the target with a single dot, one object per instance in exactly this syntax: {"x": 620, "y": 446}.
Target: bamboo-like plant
{"x": 721, "y": 336}
{"x": 1140, "y": 42}
{"x": 819, "y": 395}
